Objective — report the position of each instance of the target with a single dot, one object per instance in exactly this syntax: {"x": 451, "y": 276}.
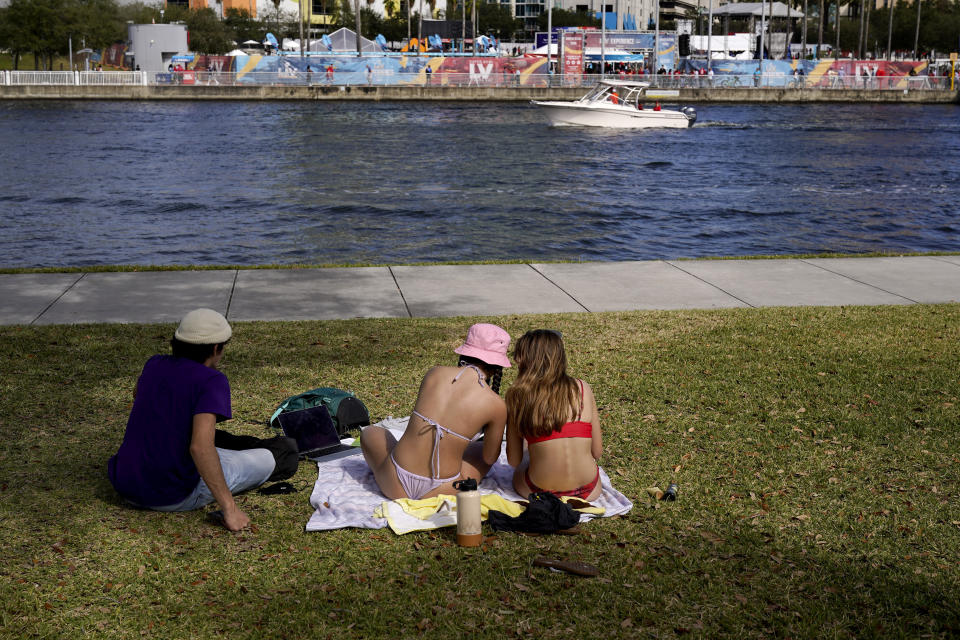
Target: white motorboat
{"x": 618, "y": 104}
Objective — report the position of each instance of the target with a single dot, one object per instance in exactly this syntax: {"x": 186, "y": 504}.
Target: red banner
{"x": 571, "y": 54}
{"x": 213, "y": 63}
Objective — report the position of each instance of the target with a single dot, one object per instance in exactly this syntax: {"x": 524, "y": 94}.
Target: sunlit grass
{"x": 816, "y": 452}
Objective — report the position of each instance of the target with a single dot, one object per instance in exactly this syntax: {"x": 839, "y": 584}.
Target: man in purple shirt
{"x": 168, "y": 461}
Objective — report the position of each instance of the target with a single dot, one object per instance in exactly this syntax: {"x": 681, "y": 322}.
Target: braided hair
{"x": 493, "y": 371}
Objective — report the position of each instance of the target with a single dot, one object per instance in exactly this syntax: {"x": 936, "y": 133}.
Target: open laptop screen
{"x": 312, "y": 428}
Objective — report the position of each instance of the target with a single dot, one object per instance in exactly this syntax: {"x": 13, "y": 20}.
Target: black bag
{"x": 284, "y": 451}
{"x": 546, "y": 513}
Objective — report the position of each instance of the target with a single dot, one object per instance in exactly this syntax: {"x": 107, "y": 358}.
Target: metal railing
{"x": 780, "y": 81}
{"x": 64, "y": 78}
{"x": 103, "y": 78}
{"x": 380, "y": 78}
{"x": 38, "y": 77}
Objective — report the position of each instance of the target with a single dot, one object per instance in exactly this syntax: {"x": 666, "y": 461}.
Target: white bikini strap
{"x": 480, "y": 376}
{"x": 439, "y": 430}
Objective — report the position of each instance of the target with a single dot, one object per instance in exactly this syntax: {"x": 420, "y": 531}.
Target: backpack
{"x": 346, "y": 409}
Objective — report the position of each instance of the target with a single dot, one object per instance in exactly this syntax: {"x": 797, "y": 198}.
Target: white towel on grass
{"x": 346, "y": 494}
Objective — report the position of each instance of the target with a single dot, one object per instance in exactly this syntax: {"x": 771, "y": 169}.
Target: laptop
{"x": 314, "y": 432}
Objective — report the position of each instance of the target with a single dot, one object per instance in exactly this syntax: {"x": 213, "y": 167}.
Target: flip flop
{"x": 576, "y": 568}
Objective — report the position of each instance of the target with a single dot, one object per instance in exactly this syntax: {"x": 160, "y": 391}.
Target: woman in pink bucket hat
{"x": 455, "y": 406}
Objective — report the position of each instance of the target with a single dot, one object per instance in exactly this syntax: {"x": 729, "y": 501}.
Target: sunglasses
{"x": 553, "y": 331}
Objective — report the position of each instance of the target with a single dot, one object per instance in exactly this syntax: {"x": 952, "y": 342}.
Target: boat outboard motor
{"x": 691, "y": 114}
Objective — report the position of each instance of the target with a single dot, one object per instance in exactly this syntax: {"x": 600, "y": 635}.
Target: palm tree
{"x": 820, "y": 30}
{"x": 890, "y": 29}
{"x": 916, "y": 35}
{"x": 860, "y": 34}
{"x": 836, "y": 25}
{"x": 866, "y": 29}
{"x": 803, "y": 47}
{"x": 357, "y": 11}
{"x": 276, "y": 6}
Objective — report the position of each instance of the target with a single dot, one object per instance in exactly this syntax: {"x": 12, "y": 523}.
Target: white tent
{"x": 755, "y": 9}
{"x": 610, "y": 52}
{"x": 344, "y": 40}
{"x": 738, "y": 42}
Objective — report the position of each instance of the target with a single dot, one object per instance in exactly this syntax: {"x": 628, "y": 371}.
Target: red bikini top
{"x": 574, "y": 429}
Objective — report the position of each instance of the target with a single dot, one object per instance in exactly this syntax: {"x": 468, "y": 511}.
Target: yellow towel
{"x": 425, "y": 508}
{"x": 405, "y": 515}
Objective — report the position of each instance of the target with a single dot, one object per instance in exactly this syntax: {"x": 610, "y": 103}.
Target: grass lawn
{"x": 28, "y": 63}
{"x": 816, "y": 452}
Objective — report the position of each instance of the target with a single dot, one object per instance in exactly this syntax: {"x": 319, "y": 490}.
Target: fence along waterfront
{"x": 446, "y": 79}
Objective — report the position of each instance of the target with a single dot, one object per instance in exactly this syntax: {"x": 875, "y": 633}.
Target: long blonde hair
{"x": 544, "y": 396}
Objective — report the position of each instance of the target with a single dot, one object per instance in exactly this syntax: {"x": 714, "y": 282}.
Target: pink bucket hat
{"x": 486, "y": 342}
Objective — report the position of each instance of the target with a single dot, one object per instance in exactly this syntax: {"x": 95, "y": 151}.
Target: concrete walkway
{"x": 468, "y": 290}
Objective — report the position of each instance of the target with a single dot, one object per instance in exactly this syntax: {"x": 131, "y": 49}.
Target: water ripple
{"x": 255, "y": 183}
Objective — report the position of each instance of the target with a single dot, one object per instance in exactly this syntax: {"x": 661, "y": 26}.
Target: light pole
{"x": 549, "y": 34}
{"x": 656, "y": 38}
{"x": 603, "y": 39}
{"x": 763, "y": 28}
{"x": 710, "y": 37}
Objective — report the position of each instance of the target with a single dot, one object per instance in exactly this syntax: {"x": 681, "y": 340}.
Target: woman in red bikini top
{"x": 556, "y": 416}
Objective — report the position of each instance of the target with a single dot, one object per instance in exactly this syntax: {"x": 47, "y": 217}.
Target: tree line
{"x": 928, "y": 24}
{"x": 44, "y": 28}
{"x": 864, "y": 28}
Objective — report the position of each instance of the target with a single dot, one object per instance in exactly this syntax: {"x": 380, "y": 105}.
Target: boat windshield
{"x": 615, "y": 94}
{"x": 596, "y": 94}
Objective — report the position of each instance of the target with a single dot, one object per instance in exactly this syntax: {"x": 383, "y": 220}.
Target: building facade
{"x": 153, "y": 46}
{"x": 220, "y": 6}
{"x": 630, "y": 15}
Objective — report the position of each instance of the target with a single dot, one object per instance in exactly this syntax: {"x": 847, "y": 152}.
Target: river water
{"x": 217, "y": 183}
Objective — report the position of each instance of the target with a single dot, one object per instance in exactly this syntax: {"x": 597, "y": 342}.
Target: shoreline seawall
{"x": 453, "y": 94}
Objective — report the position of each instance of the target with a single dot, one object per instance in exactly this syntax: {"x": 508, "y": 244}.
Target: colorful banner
{"x": 113, "y": 56}
{"x": 391, "y": 70}
{"x": 571, "y": 55}
{"x": 814, "y": 74}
